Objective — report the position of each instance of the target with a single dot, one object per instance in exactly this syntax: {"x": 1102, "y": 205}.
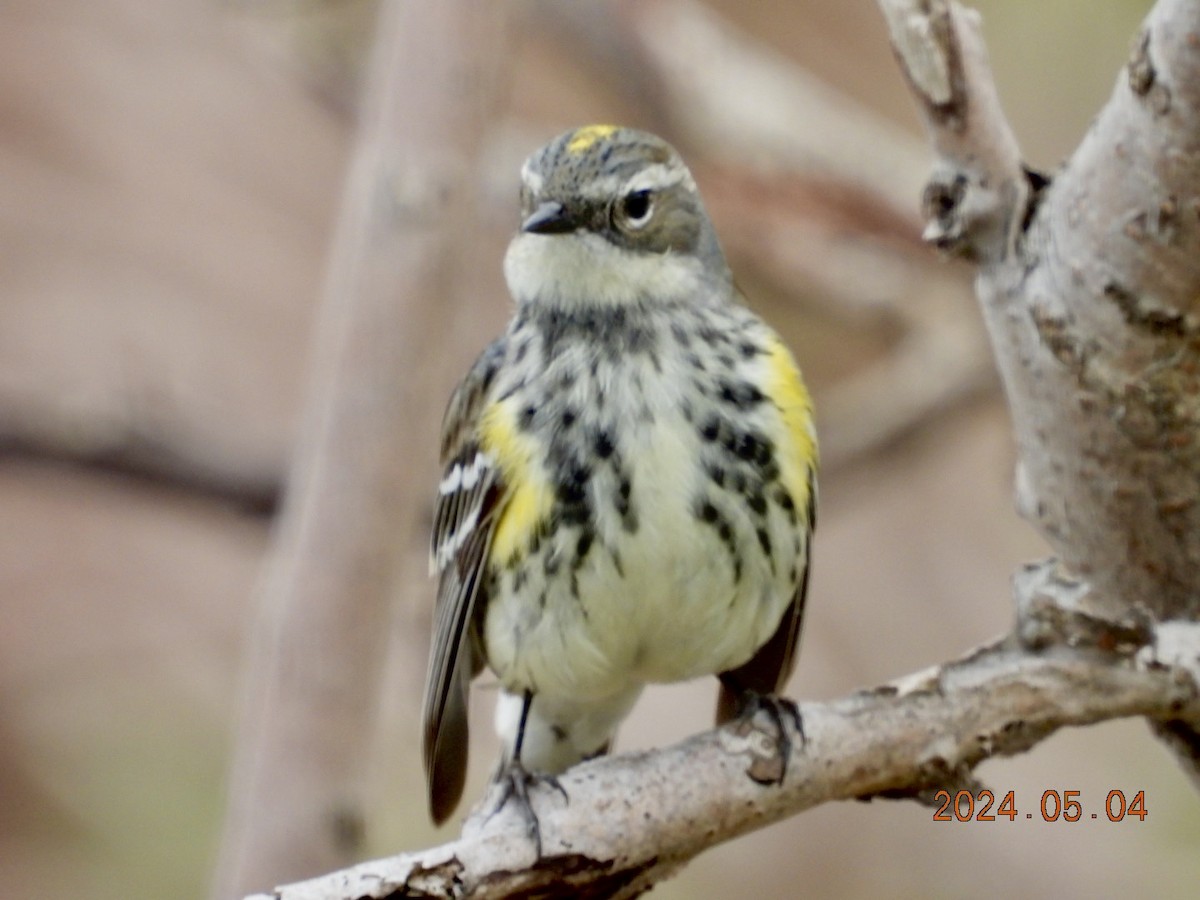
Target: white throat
{"x": 582, "y": 268}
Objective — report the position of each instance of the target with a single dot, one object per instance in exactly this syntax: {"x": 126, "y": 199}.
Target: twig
{"x": 978, "y": 191}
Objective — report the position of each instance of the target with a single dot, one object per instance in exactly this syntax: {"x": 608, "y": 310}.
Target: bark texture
{"x": 1090, "y": 285}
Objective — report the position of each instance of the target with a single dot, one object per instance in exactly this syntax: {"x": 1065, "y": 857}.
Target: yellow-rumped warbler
{"x": 629, "y": 487}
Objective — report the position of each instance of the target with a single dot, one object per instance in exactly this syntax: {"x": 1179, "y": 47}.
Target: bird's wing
{"x": 464, "y": 522}
{"x": 769, "y": 668}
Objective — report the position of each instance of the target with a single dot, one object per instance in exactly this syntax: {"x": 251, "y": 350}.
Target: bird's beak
{"x": 550, "y": 217}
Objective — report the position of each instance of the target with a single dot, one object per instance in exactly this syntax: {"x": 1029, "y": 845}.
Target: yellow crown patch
{"x": 587, "y": 136}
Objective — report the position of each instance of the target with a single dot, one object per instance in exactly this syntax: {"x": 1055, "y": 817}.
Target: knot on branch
{"x": 1143, "y": 77}
{"x": 940, "y": 206}
{"x": 971, "y": 214}
{"x": 1053, "y": 610}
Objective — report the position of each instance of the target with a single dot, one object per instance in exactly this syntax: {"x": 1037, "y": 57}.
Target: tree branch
{"x": 978, "y": 190}
{"x": 359, "y": 479}
{"x": 1091, "y": 291}
{"x": 1090, "y": 286}
{"x": 631, "y": 820}
{"x": 1096, "y": 319}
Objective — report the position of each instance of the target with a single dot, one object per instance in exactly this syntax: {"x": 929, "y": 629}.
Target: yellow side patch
{"x": 786, "y": 389}
{"x": 588, "y": 135}
{"x": 530, "y": 497}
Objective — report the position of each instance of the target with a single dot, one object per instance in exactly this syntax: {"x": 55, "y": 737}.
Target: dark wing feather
{"x": 768, "y": 670}
{"x": 464, "y": 521}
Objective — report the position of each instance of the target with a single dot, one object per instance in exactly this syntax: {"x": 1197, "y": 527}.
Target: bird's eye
{"x": 635, "y": 209}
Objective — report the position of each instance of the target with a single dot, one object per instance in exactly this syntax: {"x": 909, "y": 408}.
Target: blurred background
{"x": 169, "y": 180}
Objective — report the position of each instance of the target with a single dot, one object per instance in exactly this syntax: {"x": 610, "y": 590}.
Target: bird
{"x": 628, "y": 488}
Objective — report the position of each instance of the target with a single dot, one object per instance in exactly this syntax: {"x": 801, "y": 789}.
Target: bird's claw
{"x": 515, "y": 781}
{"x": 776, "y": 709}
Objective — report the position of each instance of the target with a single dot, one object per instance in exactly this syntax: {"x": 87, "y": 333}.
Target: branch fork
{"x": 976, "y": 198}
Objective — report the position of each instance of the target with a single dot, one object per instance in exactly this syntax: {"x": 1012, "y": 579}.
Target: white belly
{"x": 661, "y": 603}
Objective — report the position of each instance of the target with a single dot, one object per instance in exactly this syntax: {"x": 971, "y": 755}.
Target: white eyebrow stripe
{"x": 603, "y": 189}
{"x": 660, "y": 176}
{"x": 652, "y": 178}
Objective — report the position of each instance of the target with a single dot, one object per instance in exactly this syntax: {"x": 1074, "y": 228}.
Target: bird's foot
{"x": 515, "y": 781}
{"x": 777, "y": 709}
